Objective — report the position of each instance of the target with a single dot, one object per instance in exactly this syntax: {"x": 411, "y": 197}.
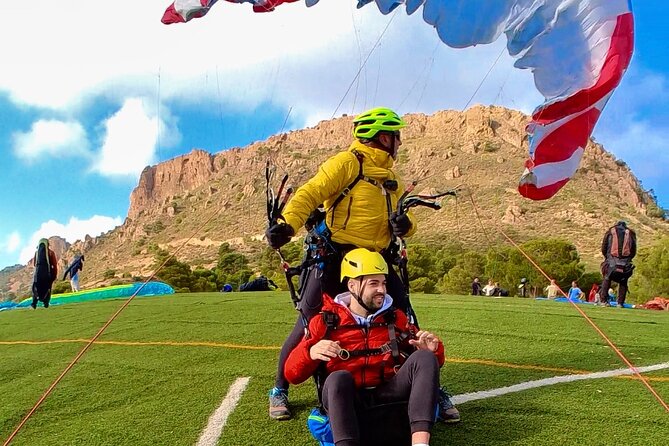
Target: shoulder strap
{"x": 627, "y": 244}
{"x": 331, "y": 321}
{"x": 348, "y": 188}
{"x": 613, "y": 248}
{"x": 391, "y": 317}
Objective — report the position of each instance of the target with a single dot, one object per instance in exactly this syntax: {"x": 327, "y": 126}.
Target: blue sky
{"x": 91, "y": 95}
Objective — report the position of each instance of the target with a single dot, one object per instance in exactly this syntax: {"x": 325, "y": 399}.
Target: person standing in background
{"x": 618, "y": 249}
{"x": 73, "y": 270}
{"x": 476, "y": 287}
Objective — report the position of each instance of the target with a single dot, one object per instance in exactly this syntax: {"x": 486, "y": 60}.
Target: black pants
{"x": 41, "y": 292}
{"x": 313, "y": 284}
{"x": 622, "y": 287}
{"x": 616, "y": 270}
{"x": 415, "y": 384}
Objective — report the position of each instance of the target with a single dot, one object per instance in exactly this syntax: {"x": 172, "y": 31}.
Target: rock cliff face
{"x": 159, "y": 184}
{"x": 195, "y": 202}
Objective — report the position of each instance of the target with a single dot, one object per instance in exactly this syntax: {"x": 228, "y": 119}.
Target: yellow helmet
{"x": 362, "y": 262}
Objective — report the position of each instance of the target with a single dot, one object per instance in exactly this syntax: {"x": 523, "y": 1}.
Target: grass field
{"x": 164, "y": 366}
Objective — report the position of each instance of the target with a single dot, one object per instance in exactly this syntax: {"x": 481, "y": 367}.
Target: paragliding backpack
{"x": 618, "y": 257}
{"x": 262, "y": 283}
{"x": 318, "y": 421}
{"x": 43, "y": 268}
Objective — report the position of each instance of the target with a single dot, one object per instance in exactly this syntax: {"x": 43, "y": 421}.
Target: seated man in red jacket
{"x": 370, "y": 352}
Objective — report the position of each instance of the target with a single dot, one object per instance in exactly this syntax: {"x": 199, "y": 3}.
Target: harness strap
{"x": 331, "y": 321}
{"x": 613, "y": 249}
{"x": 627, "y": 244}
{"x": 346, "y": 354}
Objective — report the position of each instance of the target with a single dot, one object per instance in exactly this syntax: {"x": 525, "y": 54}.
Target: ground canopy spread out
{"x": 577, "y": 50}
{"x": 111, "y": 292}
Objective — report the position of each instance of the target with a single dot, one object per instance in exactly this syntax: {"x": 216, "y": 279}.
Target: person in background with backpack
{"x": 618, "y": 249}
{"x": 73, "y": 270}
{"x": 371, "y": 355}
{"x": 46, "y": 271}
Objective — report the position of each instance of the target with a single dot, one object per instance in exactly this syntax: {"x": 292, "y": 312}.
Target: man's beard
{"x": 370, "y": 301}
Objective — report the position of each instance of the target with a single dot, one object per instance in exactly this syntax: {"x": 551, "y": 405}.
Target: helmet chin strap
{"x": 358, "y": 297}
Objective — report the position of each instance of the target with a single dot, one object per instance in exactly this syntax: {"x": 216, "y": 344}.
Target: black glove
{"x": 400, "y": 224}
{"x": 279, "y": 234}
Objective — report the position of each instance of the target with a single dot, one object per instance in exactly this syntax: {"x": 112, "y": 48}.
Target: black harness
{"x": 332, "y": 323}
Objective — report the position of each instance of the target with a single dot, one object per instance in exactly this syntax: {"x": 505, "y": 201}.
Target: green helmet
{"x": 371, "y": 122}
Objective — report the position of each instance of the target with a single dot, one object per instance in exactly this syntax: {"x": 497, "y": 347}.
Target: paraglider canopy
{"x": 577, "y": 50}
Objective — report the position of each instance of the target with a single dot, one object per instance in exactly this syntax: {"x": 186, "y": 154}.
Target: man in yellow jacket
{"x": 359, "y": 191}
{"x": 361, "y": 217}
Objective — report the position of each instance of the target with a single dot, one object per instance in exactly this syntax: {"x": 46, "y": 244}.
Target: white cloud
{"x": 130, "y": 139}
{"x": 11, "y": 243}
{"x": 643, "y": 147}
{"x": 50, "y": 138}
{"x": 73, "y": 230}
{"x": 297, "y": 57}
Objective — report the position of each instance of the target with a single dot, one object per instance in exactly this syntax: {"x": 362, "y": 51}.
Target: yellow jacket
{"x": 361, "y": 218}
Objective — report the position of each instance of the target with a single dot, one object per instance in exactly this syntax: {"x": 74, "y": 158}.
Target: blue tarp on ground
{"x": 111, "y": 292}
{"x": 613, "y": 303}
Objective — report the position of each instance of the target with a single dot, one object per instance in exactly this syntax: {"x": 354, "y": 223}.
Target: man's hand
{"x": 279, "y": 234}
{"x": 324, "y": 350}
{"x": 425, "y": 341}
{"x": 400, "y": 224}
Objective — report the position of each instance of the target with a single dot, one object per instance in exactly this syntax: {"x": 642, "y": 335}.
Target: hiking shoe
{"x": 278, "y": 404}
{"x": 447, "y": 412}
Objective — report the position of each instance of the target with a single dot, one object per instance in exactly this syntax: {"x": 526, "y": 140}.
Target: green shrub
{"x": 491, "y": 147}
{"x": 651, "y": 276}
{"x": 61, "y": 286}
{"x": 422, "y": 285}
{"x": 655, "y": 211}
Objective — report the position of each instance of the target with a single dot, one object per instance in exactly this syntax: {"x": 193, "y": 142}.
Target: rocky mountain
{"x": 194, "y": 202}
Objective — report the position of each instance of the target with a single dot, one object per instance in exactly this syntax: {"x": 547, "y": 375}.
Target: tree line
{"x": 447, "y": 269}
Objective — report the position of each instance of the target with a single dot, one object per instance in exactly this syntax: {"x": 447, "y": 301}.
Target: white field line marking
{"x": 466, "y": 397}
{"x": 212, "y": 432}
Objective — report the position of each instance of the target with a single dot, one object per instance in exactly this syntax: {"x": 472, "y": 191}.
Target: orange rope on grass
{"x": 158, "y": 343}
{"x": 590, "y": 321}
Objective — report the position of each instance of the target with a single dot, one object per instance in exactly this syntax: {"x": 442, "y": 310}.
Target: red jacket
{"x": 368, "y": 371}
